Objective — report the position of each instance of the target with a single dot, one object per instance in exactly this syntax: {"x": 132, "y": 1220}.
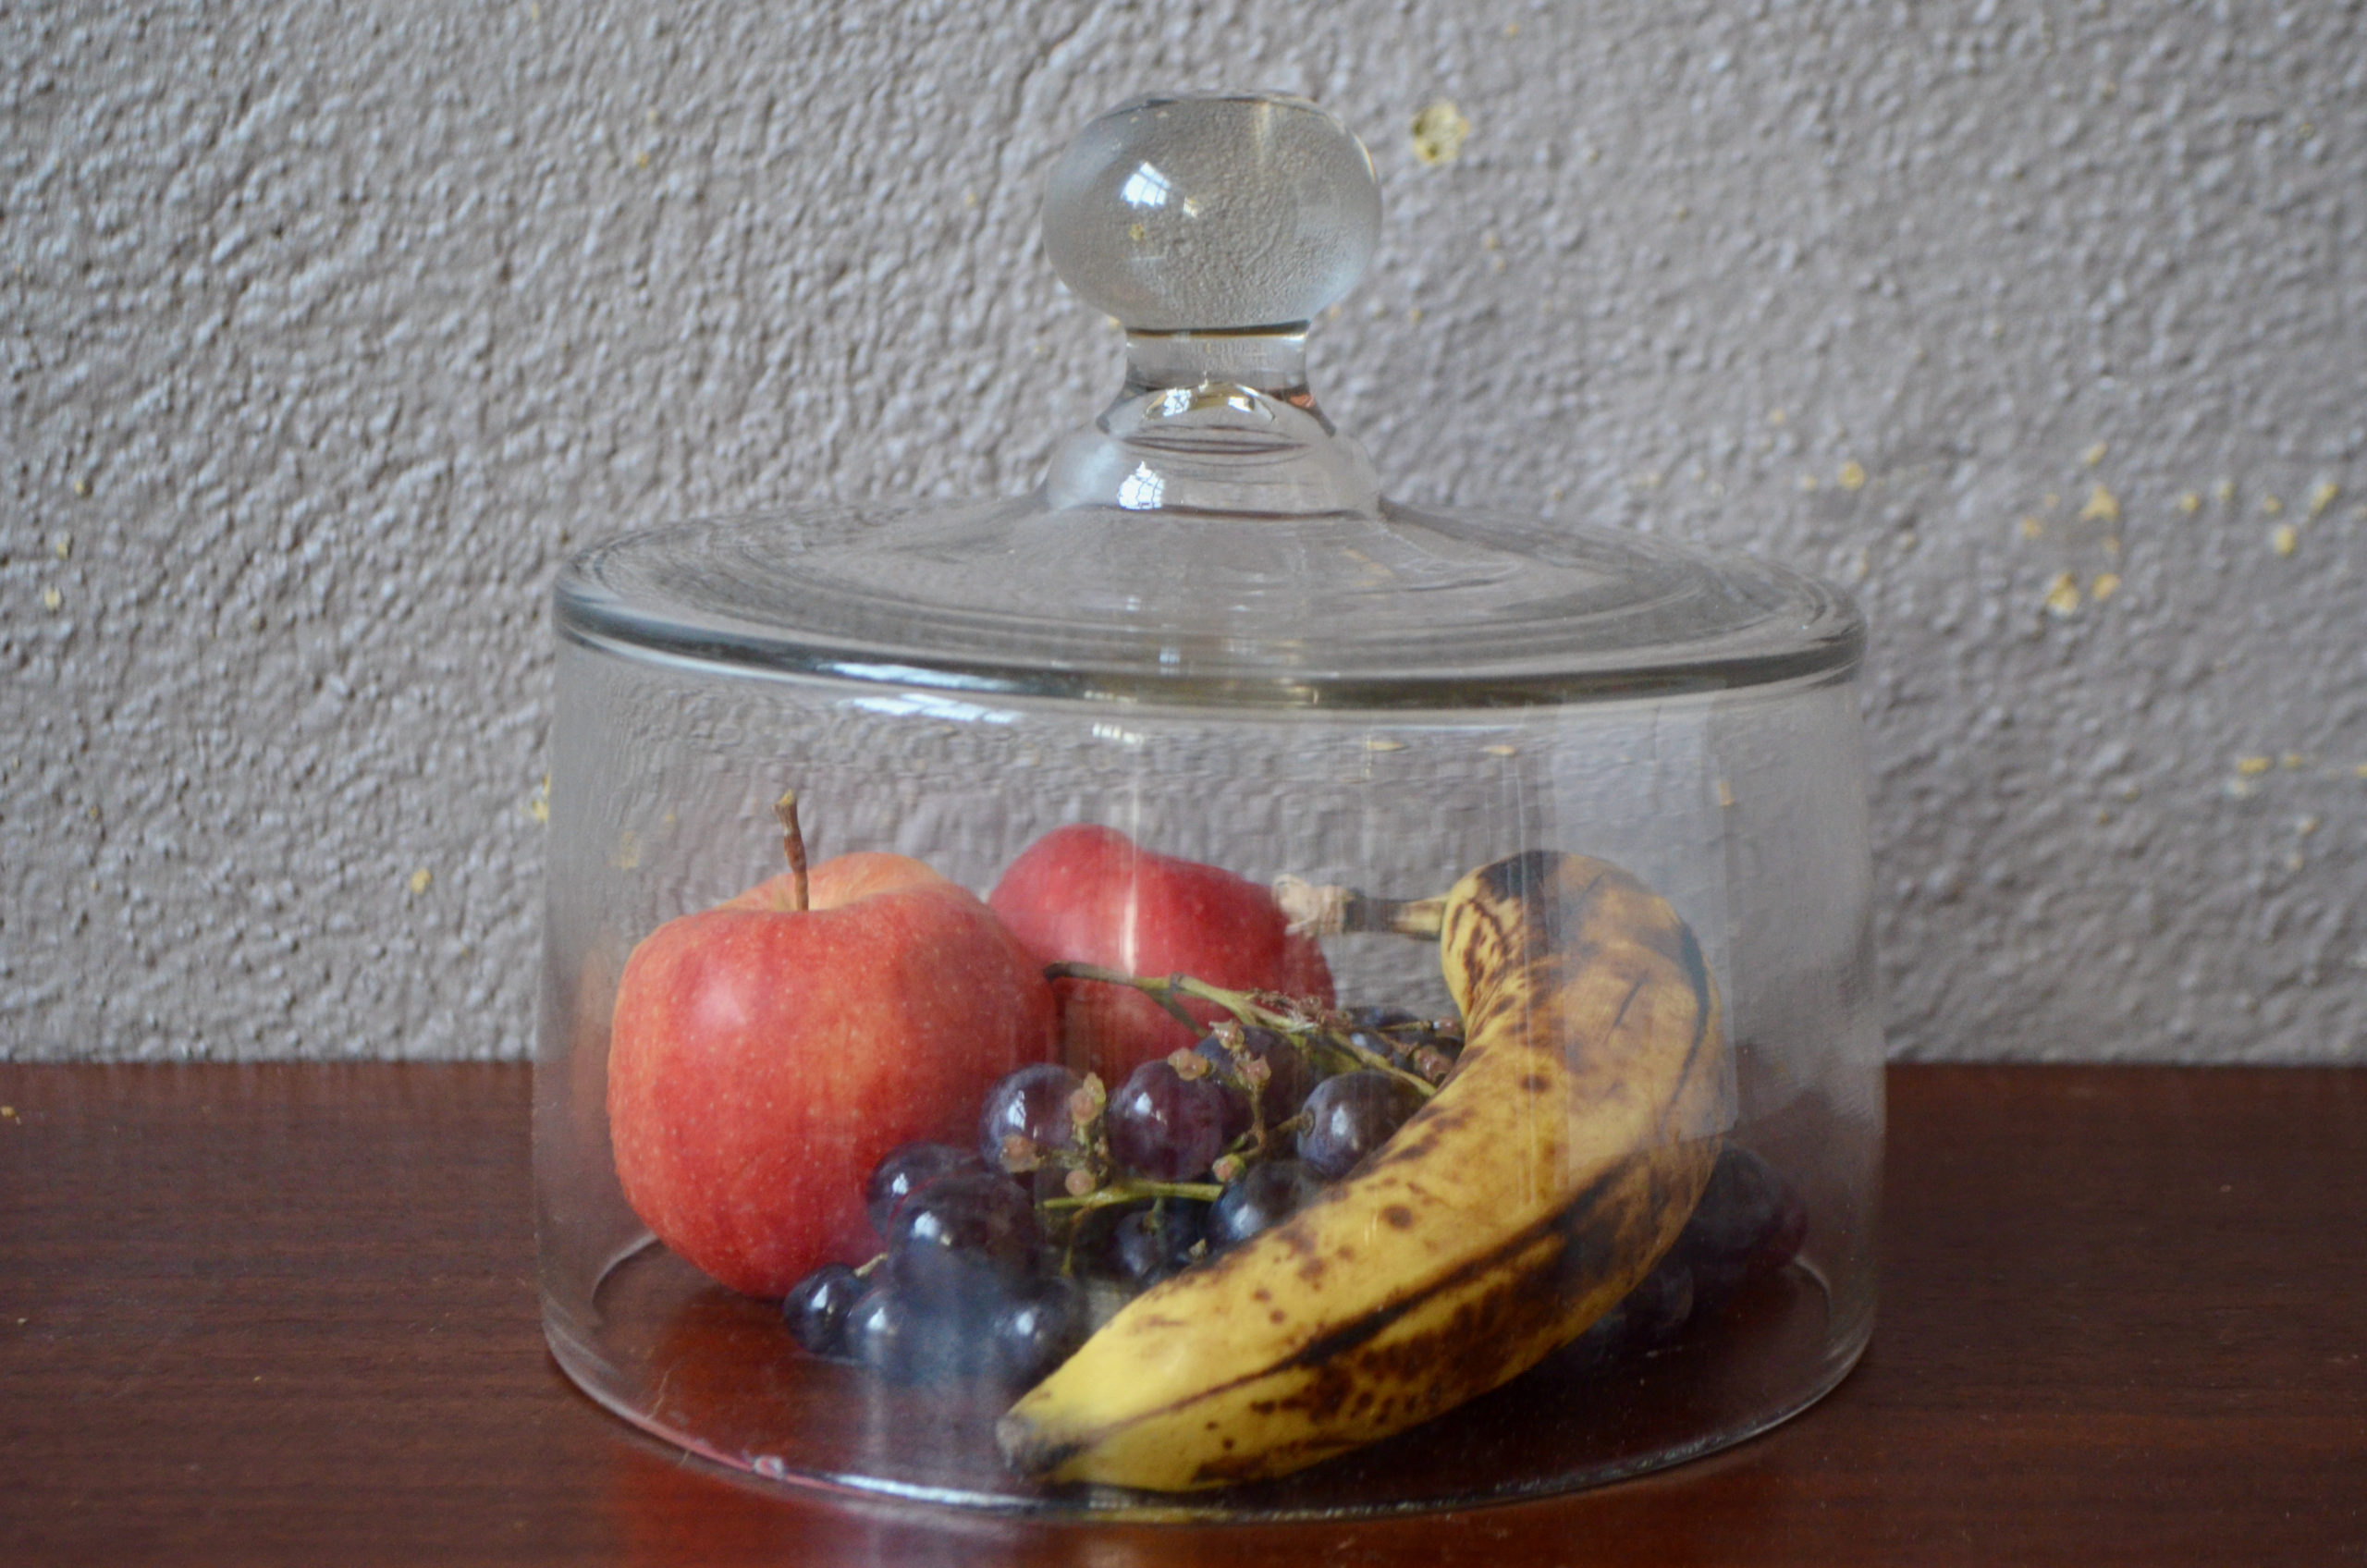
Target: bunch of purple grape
{"x": 1000, "y": 1259}
{"x": 1748, "y": 1227}
{"x": 958, "y": 1292}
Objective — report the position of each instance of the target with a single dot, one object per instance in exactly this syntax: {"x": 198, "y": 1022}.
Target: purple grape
{"x": 961, "y": 1237}
{"x": 1151, "y": 1243}
{"x": 911, "y": 1338}
{"x": 1657, "y": 1309}
{"x": 880, "y": 1332}
{"x": 1238, "y": 1117}
{"x": 1035, "y": 1331}
{"x": 818, "y": 1305}
{"x": 1032, "y": 1103}
{"x": 905, "y": 1169}
{"x": 1350, "y": 1116}
{"x": 1433, "y": 1049}
{"x": 1165, "y": 1125}
{"x": 1269, "y": 1195}
{"x": 1749, "y": 1223}
{"x": 1647, "y": 1318}
{"x": 1287, "y": 1077}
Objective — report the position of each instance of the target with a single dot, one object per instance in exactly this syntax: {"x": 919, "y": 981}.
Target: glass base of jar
{"x": 717, "y": 1374}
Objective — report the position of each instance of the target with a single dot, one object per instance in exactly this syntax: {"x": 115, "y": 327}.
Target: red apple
{"x": 766, "y": 1053}
{"x": 1090, "y": 895}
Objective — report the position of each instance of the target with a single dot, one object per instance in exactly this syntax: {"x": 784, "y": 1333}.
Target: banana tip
{"x": 1028, "y": 1450}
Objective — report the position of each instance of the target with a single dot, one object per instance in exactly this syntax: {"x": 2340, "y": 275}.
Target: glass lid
{"x": 1210, "y": 538}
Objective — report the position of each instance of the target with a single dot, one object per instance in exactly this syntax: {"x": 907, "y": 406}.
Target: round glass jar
{"x": 1202, "y": 991}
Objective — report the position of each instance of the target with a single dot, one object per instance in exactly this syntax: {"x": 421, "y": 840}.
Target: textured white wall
{"x": 327, "y": 330}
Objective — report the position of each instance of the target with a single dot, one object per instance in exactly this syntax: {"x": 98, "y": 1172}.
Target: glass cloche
{"x": 1203, "y": 991}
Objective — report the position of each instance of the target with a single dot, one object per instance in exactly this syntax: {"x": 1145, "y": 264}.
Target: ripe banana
{"x": 1539, "y": 1185}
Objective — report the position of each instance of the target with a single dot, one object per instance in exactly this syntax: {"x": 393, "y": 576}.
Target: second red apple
{"x": 1084, "y": 894}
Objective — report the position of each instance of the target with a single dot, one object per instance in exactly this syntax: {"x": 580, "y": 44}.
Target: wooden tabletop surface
{"x": 264, "y": 1315}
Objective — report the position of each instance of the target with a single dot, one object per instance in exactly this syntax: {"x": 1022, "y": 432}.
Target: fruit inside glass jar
{"x": 1134, "y": 1168}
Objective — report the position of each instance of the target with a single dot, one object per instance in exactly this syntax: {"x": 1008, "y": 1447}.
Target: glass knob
{"x": 1213, "y": 213}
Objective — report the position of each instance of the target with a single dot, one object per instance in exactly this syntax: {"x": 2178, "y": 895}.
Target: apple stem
{"x": 793, "y": 842}
{"x": 1324, "y": 910}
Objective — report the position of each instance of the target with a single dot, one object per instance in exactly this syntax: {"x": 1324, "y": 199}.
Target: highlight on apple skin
{"x": 1088, "y": 894}
{"x": 766, "y": 1053}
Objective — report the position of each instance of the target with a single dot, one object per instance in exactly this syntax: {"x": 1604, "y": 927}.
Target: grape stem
{"x": 1132, "y": 1192}
{"x": 1252, "y": 1144}
{"x": 1373, "y": 1061}
{"x": 1247, "y": 1009}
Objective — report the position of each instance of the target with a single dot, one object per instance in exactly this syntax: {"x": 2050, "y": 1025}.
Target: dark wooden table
{"x": 263, "y": 1315}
